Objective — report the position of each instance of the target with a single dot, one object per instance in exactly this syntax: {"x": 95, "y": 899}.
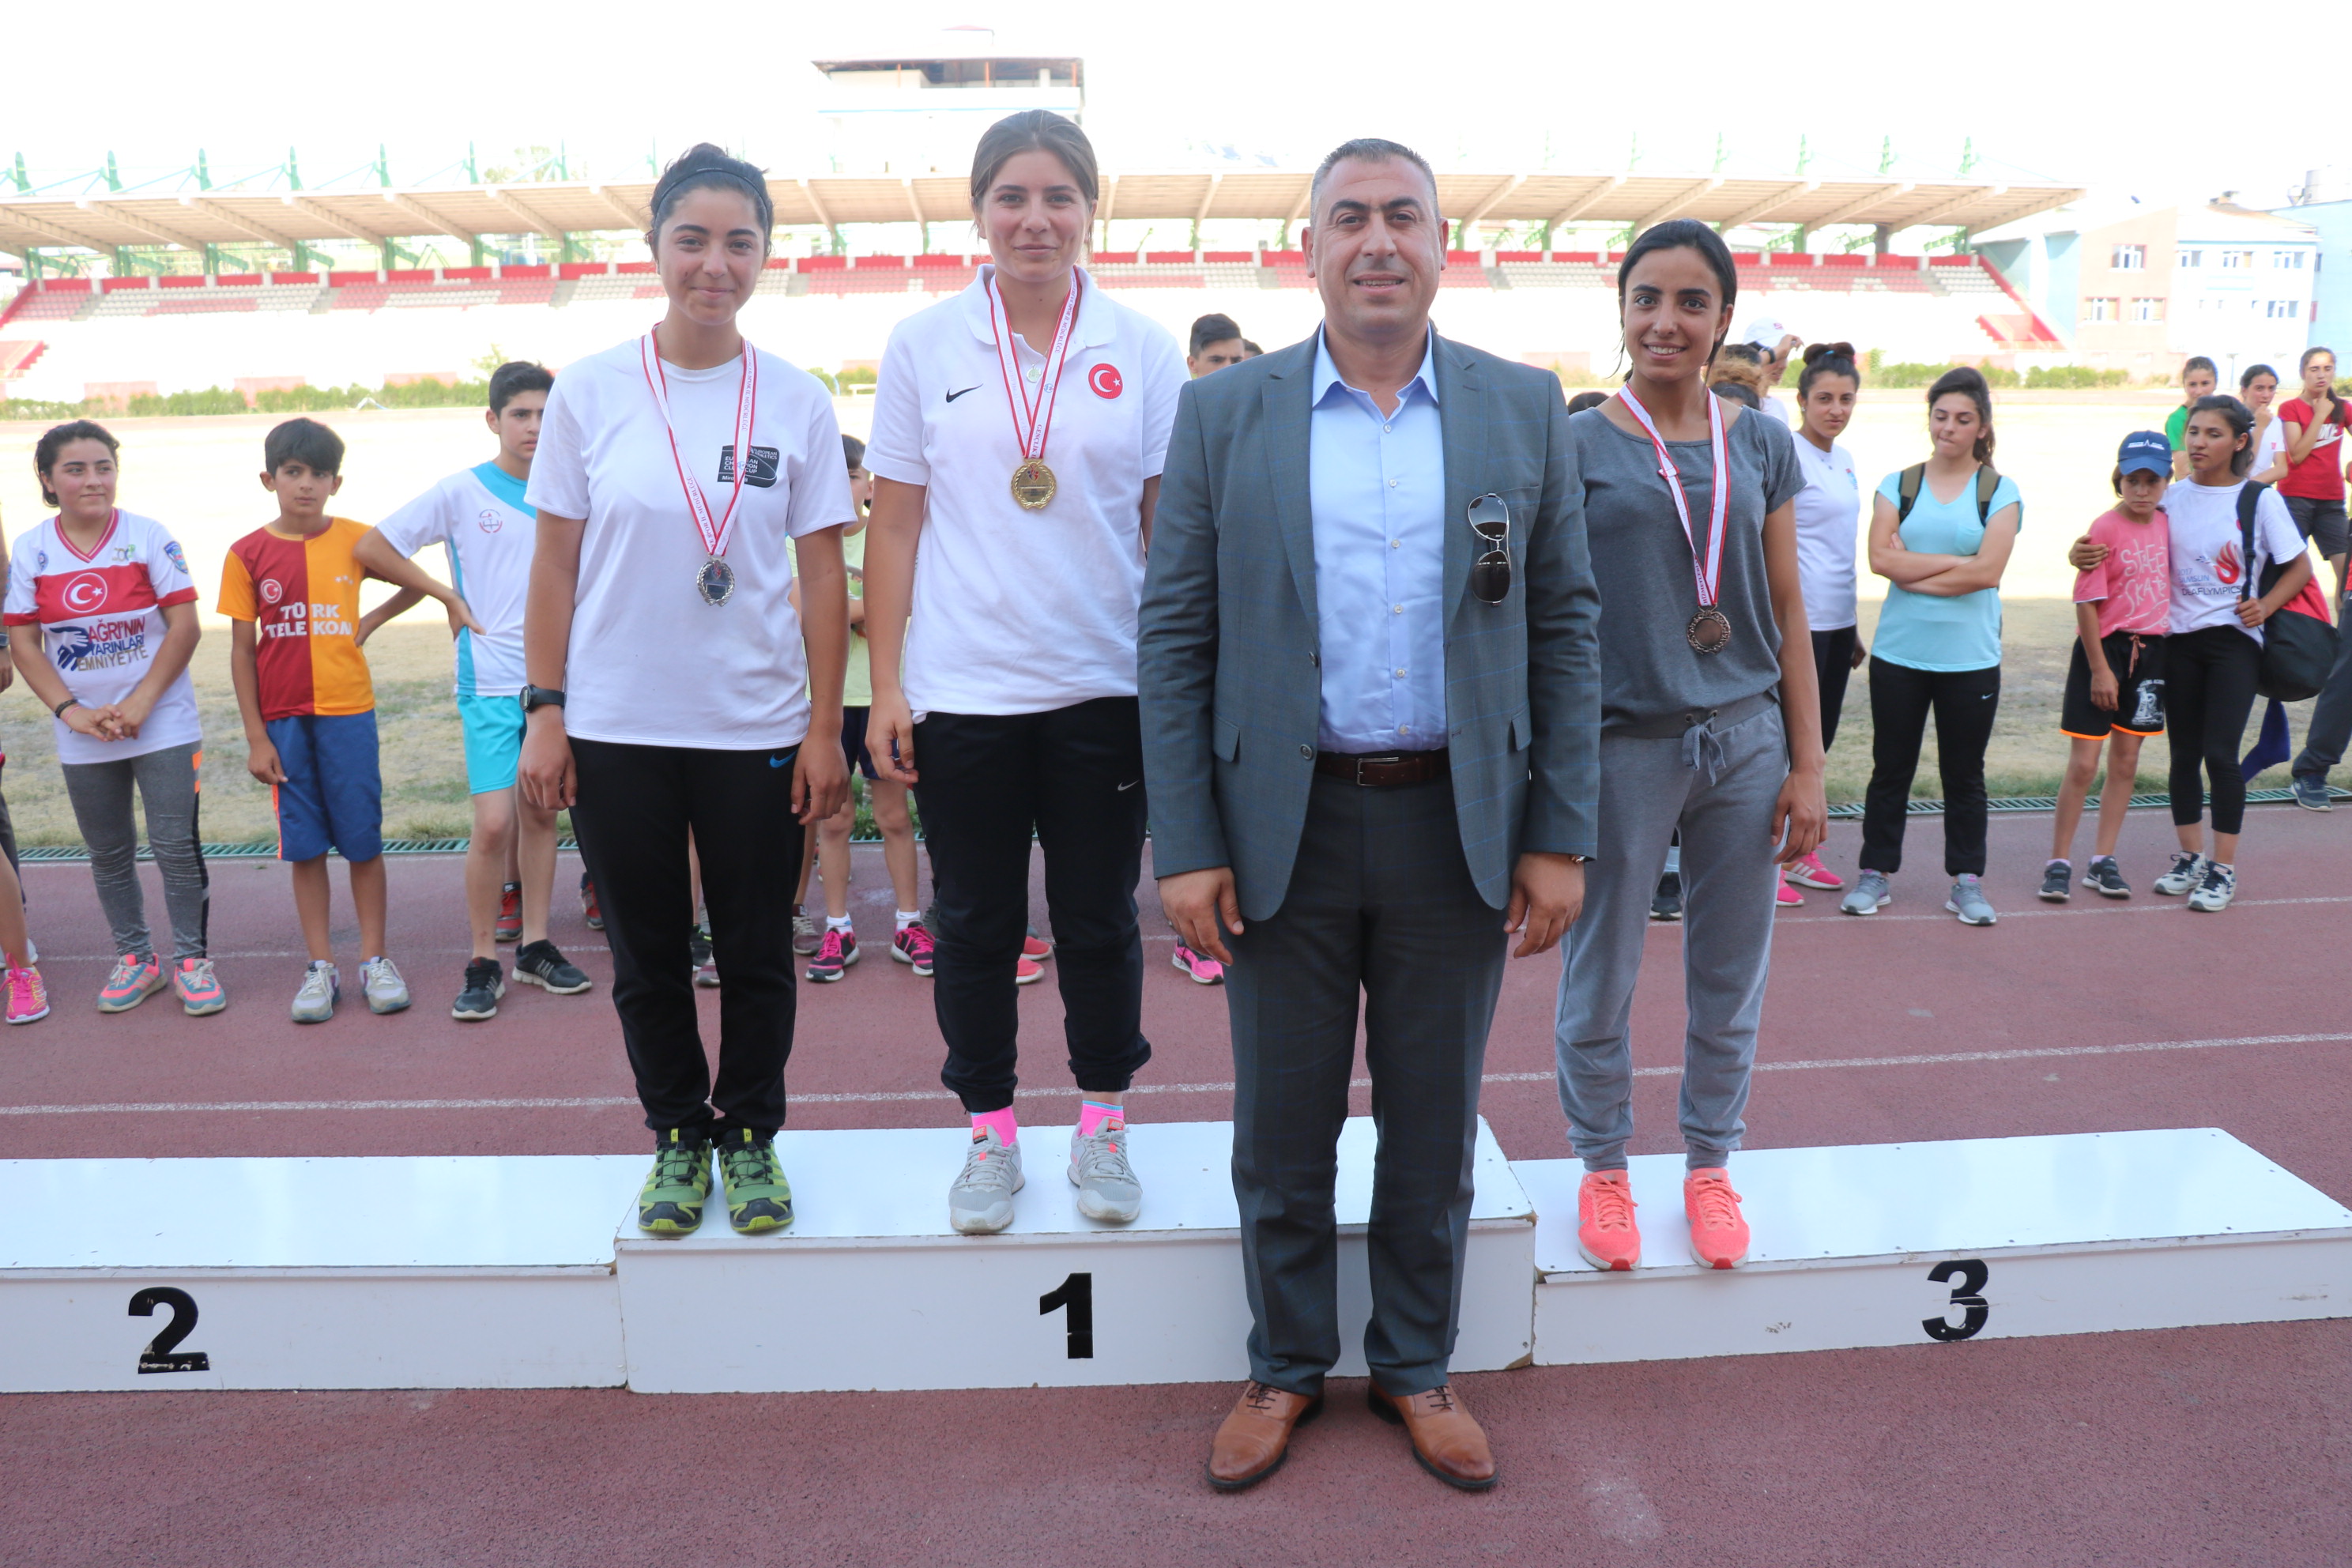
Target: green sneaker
{"x": 670, "y": 1204}
{"x": 759, "y": 1199}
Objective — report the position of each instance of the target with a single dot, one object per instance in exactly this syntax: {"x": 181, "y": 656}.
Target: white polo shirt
{"x": 649, "y": 663}
{"x": 1023, "y": 612}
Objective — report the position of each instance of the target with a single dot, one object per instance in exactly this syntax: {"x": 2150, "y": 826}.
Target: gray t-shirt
{"x": 1642, "y": 563}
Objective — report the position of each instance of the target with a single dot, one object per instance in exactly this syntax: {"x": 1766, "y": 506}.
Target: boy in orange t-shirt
{"x": 292, "y": 591}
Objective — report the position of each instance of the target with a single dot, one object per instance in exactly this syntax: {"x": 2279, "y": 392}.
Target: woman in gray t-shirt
{"x": 1705, "y": 649}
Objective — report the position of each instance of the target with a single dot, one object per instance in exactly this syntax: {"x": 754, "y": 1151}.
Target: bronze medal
{"x": 1033, "y": 485}
{"x": 1709, "y": 631}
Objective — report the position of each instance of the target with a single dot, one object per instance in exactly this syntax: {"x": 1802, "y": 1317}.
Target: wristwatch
{"x": 535, "y": 697}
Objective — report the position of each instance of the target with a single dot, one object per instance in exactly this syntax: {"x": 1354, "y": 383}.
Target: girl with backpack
{"x": 1940, "y": 533}
{"x": 2213, "y": 657}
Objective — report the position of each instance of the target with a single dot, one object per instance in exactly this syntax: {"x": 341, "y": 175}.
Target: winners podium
{"x": 527, "y": 1271}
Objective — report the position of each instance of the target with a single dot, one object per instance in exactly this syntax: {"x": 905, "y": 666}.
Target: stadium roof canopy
{"x": 194, "y": 218}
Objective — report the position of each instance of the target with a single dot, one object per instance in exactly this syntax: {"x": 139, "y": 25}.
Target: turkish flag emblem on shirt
{"x": 1104, "y": 379}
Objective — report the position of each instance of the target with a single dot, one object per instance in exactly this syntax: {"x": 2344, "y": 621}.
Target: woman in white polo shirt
{"x": 1829, "y": 522}
{"x": 1019, "y": 431}
{"x": 668, "y": 689}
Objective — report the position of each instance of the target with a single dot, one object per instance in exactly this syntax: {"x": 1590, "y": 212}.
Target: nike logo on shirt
{"x": 953, "y": 395}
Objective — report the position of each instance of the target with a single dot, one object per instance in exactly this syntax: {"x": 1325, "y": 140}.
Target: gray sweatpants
{"x": 1723, "y": 809}
{"x": 166, "y": 781}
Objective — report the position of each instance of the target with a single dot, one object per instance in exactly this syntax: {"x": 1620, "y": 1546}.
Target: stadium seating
{"x": 362, "y": 327}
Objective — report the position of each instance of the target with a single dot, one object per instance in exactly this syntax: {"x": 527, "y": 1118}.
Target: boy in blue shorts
{"x": 292, "y": 591}
{"x": 478, "y": 516}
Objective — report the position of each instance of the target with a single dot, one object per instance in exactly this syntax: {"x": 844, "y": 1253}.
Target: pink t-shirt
{"x": 2133, "y": 586}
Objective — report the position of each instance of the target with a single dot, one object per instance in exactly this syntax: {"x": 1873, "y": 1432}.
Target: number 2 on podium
{"x": 1074, "y": 1294}
{"x": 163, "y": 1353}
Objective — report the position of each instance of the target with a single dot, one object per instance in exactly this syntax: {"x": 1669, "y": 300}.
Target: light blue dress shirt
{"x": 1376, "y": 485}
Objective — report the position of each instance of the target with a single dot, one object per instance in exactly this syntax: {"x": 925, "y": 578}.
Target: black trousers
{"x": 2331, "y": 716}
{"x": 2209, "y": 694}
{"x": 1074, "y": 777}
{"x": 636, "y": 806}
{"x": 1380, "y": 903}
{"x": 1964, "y": 703}
{"x": 1832, "y": 663}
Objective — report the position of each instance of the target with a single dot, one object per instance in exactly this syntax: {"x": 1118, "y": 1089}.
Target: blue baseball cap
{"x": 2146, "y": 452}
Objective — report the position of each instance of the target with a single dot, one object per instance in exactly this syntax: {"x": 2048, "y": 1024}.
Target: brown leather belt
{"x": 1383, "y": 770}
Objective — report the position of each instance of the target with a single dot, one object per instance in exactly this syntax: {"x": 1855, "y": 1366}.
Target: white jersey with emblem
{"x": 650, "y": 663}
{"x": 482, "y": 520}
{"x": 1017, "y": 611}
{"x": 102, "y": 620}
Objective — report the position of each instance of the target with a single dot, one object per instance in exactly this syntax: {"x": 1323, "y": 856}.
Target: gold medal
{"x": 1033, "y": 485}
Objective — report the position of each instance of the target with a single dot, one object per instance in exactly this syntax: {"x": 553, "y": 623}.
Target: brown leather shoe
{"x": 1448, "y": 1443}
{"x": 1256, "y": 1438}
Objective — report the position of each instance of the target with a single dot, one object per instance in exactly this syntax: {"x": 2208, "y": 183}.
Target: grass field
{"x": 198, "y": 476}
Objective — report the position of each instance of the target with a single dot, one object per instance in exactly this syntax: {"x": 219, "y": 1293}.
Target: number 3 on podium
{"x": 1076, "y": 1296}
{"x": 1965, "y": 1295}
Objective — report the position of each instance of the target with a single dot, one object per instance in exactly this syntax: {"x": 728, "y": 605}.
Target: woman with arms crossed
{"x": 671, "y": 471}
{"x": 1687, "y": 501}
{"x": 1019, "y": 433}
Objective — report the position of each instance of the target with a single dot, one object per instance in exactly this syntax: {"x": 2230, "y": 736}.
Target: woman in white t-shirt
{"x": 102, "y": 619}
{"x": 2213, "y": 656}
{"x": 1828, "y": 524}
{"x": 669, "y": 691}
{"x": 1019, "y": 433}
{"x": 2257, "y": 389}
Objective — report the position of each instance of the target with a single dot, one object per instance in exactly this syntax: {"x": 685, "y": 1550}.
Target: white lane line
{"x": 2104, "y": 907}
{"x": 600, "y": 1102}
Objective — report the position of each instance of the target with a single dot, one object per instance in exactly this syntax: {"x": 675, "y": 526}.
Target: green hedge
{"x": 284, "y": 400}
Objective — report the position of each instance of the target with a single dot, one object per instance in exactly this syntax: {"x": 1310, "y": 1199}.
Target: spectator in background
{"x": 1584, "y": 400}
{"x": 1250, "y": 349}
{"x": 1216, "y": 344}
{"x": 2257, "y": 389}
{"x": 1829, "y": 514}
{"x": 479, "y": 517}
{"x": 2314, "y": 486}
{"x": 2198, "y": 379}
{"x": 1940, "y": 533}
{"x": 1773, "y": 344}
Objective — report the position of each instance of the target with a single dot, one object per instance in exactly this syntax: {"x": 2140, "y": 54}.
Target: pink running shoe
{"x": 1605, "y": 1231}
{"x": 836, "y": 952}
{"x": 1719, "y": 1234}
{"x": 1035, "y": 948}
{"x": 1027, "y": 972}
{"x": 1809, "y": 872}
{"x": 1198, "y": 967}
{"x": 913, "y": 946}
{"x": 28, "y": 999}
{"x": 1787, "y": 898}
{"x": 200, "y": 989}
{"x": 136, "y": 977}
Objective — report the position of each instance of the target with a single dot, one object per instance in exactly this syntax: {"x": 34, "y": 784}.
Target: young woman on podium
{"x": 1019, "y": 430}
{"x": 669, "y": 692}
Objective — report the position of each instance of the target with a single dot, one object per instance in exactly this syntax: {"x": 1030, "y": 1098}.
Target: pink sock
{"x": 1008, "y": 1130}
{"x": 1093, "y": 1113}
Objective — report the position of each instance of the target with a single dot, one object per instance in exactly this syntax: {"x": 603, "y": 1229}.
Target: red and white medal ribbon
{"x": 1031, "y": 419}
{"x": 714, "y": 532}
{"x": 1706, "y": 563}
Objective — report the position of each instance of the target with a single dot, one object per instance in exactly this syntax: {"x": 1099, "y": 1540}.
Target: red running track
{"x": 2211, "y": 1445}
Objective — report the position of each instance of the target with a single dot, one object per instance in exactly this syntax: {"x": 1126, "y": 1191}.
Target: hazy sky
{"x": 2077, "y": 93}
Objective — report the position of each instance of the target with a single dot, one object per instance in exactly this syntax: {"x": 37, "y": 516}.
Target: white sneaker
{"x": 2214, "y": 893}
{"x": 323, "y": 987}
{"x": 381, "y": 984}
{"x": 981, "y": 1202}
{"x": 2188, "y": 874}
{"x": 1108, "y": 1189}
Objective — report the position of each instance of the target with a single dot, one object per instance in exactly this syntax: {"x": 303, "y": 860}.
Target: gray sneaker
{"x": 2311, "y": 793}
{"x": 981, "y": 1202}
{"x": 2187, "y": 875}
{"x": 323, "y": 987}
{"x": 381, "y": 984}
{"x": 1870, "y": 894}
{"x": 2214, "y": 893}
{"x": 1108, "y": 1189}
{"x": 807, "y": 932}
{"x": 1969, "y": 903}
{"x": 2058, "y": 882}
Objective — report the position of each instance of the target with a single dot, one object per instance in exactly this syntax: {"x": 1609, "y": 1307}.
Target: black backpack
{"x": 2297, "y": 650}
{"x": 1914, "y": 477}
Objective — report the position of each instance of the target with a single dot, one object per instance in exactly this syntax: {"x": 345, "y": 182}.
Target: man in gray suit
{"x": 1371, "y": 699}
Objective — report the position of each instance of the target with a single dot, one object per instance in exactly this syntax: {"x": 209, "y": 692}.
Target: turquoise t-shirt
{"x": 1924, "y": 631}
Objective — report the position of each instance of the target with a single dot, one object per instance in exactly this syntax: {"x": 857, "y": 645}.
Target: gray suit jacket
{"x": 1227, "y": 660}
